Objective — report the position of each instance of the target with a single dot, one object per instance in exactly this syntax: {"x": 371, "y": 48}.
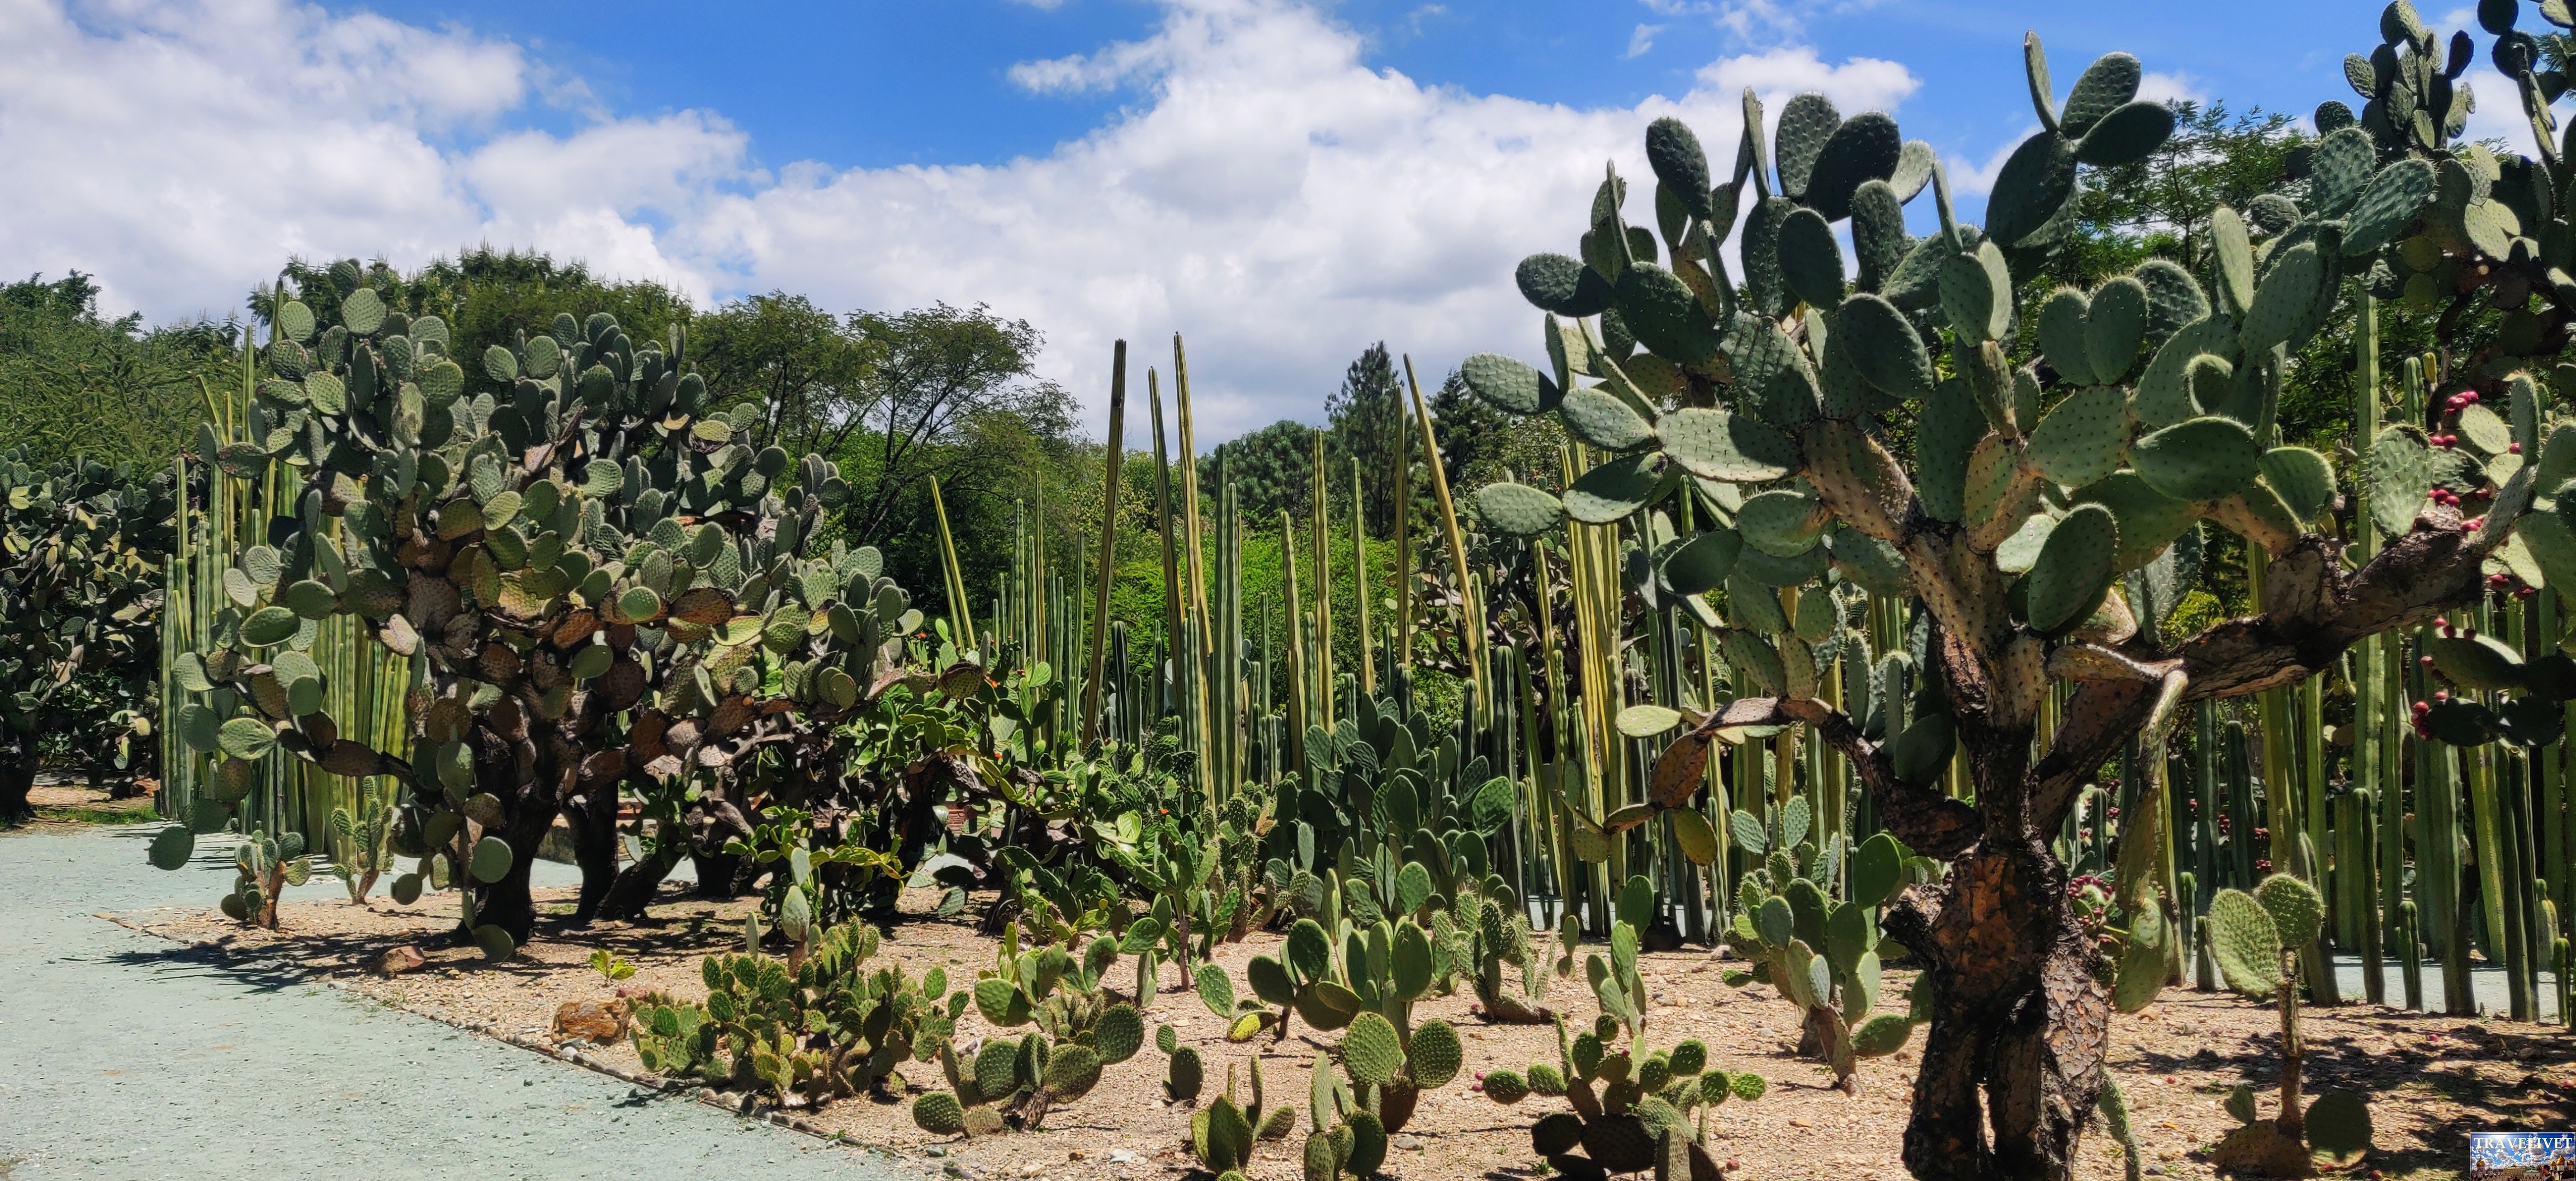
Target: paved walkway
{"x": 122, "y": 1056}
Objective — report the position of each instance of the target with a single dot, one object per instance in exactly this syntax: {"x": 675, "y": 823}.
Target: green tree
{"x": 1273, "y": 470}
{"x": 808, "y": 369}
{"x": 1367, "y": 421}
{"x": 74, "y": 383}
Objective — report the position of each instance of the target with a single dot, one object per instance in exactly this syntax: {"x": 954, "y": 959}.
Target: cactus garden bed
{"x": 2433, "y": 1079}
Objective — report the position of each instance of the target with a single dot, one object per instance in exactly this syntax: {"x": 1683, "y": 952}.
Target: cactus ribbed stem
{"x": 1108, "y": 545}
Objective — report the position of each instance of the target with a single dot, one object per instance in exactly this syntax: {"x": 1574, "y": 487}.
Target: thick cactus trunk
{"x": 17, "y": 782}
{"x": 2013, "y": 1062}
{"x": 508, "y": 903}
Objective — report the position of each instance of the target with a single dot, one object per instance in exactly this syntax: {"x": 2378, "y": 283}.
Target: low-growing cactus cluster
{"x": 827, "y": 1027}
{"x": 1014, "y": 1082}
{"x": 1632, "y": 1105}
{"x": 1822, "y": 955}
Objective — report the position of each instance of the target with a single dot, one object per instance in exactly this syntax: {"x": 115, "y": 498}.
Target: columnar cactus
{"x": 2043, "y": 500}
{"x": 606, "y": 586}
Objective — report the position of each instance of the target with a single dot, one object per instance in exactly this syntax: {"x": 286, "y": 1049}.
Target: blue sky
{"x": 1283, "y": 181}
{"x": 875, "y": 84}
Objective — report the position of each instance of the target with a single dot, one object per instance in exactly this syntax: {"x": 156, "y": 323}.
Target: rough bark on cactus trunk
{"x": 508, "y": 902}
{"x": 17, "y": 783}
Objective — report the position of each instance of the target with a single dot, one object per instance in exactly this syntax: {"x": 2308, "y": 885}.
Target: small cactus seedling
{"x": 2256, "y": 939}
{"x": 1223, "y": 1134}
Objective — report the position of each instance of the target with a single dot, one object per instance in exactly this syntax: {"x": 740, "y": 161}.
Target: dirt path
{"x": 124, "y": 1056}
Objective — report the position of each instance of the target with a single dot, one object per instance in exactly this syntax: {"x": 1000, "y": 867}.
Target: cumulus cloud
{"x": 1267, "y": 193}
{"x": 182, "y": 152}
{"x": 1642, "y": 41}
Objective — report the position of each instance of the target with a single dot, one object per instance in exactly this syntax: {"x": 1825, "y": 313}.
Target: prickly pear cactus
{"x": 2064, "y": 450}
{"x": 1822, "y": 955}
{"x": 1632, "y": 1106}
{"x": 831, "y": 1026}
{"x": 606, "y": 586}
{"x": 81, "y": 549}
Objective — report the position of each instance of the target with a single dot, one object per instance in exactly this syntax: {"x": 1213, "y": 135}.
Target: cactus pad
{"x": 1509, "y": 385}
{"x": 1435, "y": 1055}
{"x": 1518, "y": 510}
{"x": 1702, "y": 563}
{"x": 1185, "y": 1078}
{"x": 939, "y": 1113}
{"x": 1505, "y": 1086}
{"x": 2115, "y": 323}
{"x": 2297, "y": 910}
{"x": 1863, "y": 148}
{"x": 2285, "y": 307}
{"x": 1215, "y": 989}
{"x": 1371, "y": 1051}
{"x": 1665, "y": 315}
{"x": 2128, "y": 134}
{"x": 1810, "y": 261}
{"x": 1119, "y": 1033}
{"x": 1734, "y": 448}
{"x": 1561, "y": 285}
{"x": 1593, "y": 415}
{"x": 2082, "y": 439}
{"x": 2246, "y": 942}
{"x": 1368, "y": 1144}
{"x": 1976, "y": 292}
{"x": 1619, "y": 1143}
{"x": 1883, "y": 343}
{"x": 1617, "y": 488}
{"x": 2062, "y": 335}
{"x": 2074, "y": 569}
{"x": 2202, "y": 459}
{"x": 2106, "y": 85}
{"x": 2338, "y": 1126}
{"x": 1881, "y": 1035}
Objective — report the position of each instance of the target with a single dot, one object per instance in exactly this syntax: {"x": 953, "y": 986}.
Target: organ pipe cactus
{"x": 607, "y": 585}
{"x": 2039, "y": 477}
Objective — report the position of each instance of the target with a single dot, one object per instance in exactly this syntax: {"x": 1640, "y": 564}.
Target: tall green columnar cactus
{"x": 607, "y": 586}
{"x": 81, "y": 548}
{"x": 2038, "y": 478}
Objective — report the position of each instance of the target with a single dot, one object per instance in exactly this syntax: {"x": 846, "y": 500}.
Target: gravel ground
{"x": 331, "y": 1044}
{"x": 124, "y": 1056}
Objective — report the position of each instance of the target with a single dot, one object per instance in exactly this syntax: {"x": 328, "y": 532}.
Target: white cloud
{"x": 2497, "y": 113}
{"x": 1967, "y": 177}
{"x": 2158, "y": 87}
{"x": 1267, "y": 193}
{"x": 1642, "y": 40}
